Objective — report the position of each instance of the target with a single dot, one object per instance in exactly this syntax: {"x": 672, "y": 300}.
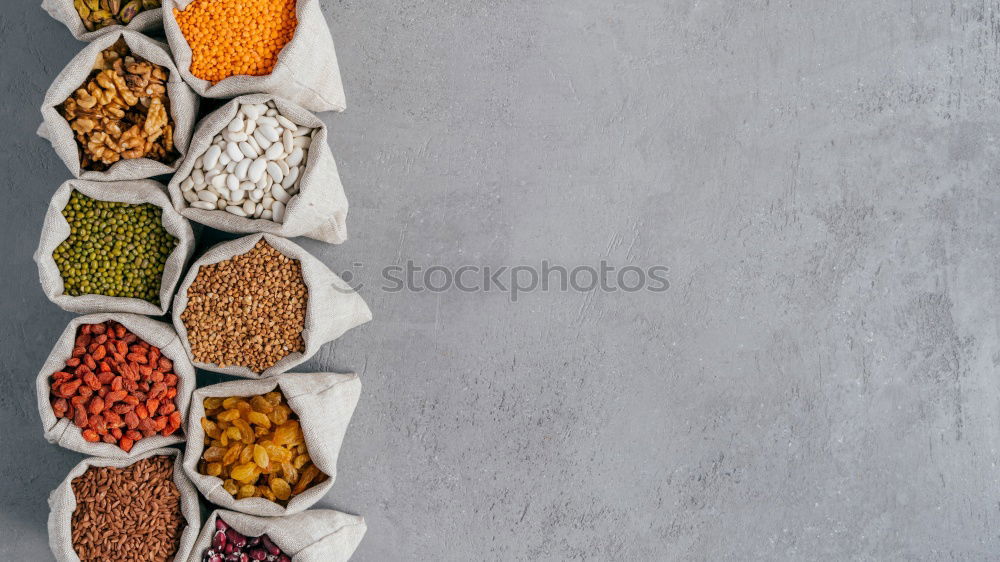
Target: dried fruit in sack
{"x": 114, "y": 249}
{"x": 228, "y": 543}
{"x": 248, "y": 310}
{"x": 116, "y": 387}
{"x": 121, "y": 111}
{"x": 231, "y": 37}
{"x": 130, "y": 513}
{"x": 98, "y": 14}
{"x": 256, "y": 446}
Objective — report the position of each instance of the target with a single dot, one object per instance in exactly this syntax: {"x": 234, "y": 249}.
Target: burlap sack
{"x": 333, "y": 307}
{"x": 318, "y": 535}
{"x": 55, "y": 230}
{"x": 306, "y": 73}
{"x": 183, "y": 109}
{"x": 324, "y": 403}
{"x": 62, "y": 431}
{"x": 64, "y": 11}
{"x": 318, "y": 211}
{"x": 62, "y": 503}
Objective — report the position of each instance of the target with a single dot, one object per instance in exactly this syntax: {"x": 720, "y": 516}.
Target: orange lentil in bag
{"x": 232, "y": 37}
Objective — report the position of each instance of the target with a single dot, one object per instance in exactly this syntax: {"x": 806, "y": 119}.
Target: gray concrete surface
{"x": 818, "y": 383}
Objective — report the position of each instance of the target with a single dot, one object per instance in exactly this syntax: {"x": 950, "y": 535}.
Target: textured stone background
{"x": 820, "y": 381}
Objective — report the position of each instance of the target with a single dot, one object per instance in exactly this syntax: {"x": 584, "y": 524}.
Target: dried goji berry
{"x": 112, "y": 419}
{"x": 108, "y": 438}
{"x": 96, "y": 405}
{"x": 80, "y": 416}
{"x": 69, "y": 388}
{"x": 97, "y": 424}
{"x": 131, "y": 420}
{"x": 91, "y": 435}
{"x": 90, "y": 379}
{"x": 60, "y": 407}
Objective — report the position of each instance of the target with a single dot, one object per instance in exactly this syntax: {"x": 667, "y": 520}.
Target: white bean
{"x": 236, "y": 124}
{"x": 262, "y": 140}
{"x": 234, "y": 137}
{"x": 187, "y": 185}
{"x": 224, "y": 159}
{"x": 198, "y": 176}
{"x": 252, "y": 112}
{"x": 203, "y": 205}
{"x": 251, "y": 125}
{"x": 241, "y": 169}
{"x": 236, "y": 210}
{"x": 287, "y": 141}
{"x": 266, "y": 215}
{"x": 291, "y": 177}
{"x": 249, "y": 207}
{"x": 208, "y": 196}
{"x": 232, "y": 182}
{"x": 256, "y": 170}
{"x": 278, "y": 211}
{"x": 248, "y": 150}
{"x": 237, "y": 196}
{"x": 274, "y": 151}
{"x": 275, "y": 172}
{"x": 279, "y": 193}
{"x": 191, "y": 196}
{"x": 212, "y": 156}
{"x": 219, "y": 180}
{"x": 270, "y": 133}
{"x": 295, "y": 157}
{"x": 234, "y": 152}
{"x": 286, "y": 123}
{"x": 256, "y": 195}
{"x": 284, "y": 167}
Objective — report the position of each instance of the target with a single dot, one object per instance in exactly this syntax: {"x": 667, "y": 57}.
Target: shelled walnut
{"x": 121, "y": 111}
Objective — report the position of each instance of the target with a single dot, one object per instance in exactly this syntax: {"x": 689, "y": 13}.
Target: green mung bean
{"x": 114, "y": 249}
